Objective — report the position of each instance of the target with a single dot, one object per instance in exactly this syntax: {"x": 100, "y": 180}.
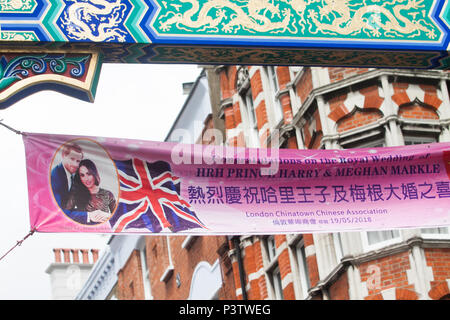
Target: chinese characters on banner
{"x": 105, "y": 185}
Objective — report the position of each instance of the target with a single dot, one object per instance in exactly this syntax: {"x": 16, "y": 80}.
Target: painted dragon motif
{"x": 95, "y": 20}
{"x": 254, "y": 19}
{"x": 367, "y": 18}
{"x": 372, "y": 18}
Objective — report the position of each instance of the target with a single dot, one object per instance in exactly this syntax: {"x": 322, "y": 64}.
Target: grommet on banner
{"x": 19, "y": 242}
{"x": 11, "y": 129}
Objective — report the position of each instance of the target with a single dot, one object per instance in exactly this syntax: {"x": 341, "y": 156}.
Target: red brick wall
{"x": 367, "y": 113}
{"x": 305, "y": 85}
{"x": 337, "y": 74}
{"x": 339, "y": 289}
{"x": 372, "y": 99}
{"x": 256, "y": 84}
{"x": 250, "y": 268}
{"x": 229, "y": 118}
{"x": 260, "y": 282}
{"x": 283, "y": 76}
{"x": 415, "y": 111}
{"x": 284, "y": 265}
{"x": 130, "y": 284}
{"x": 310, "y": 141}
{"x": 261, "y": 114}
{"x": 358, "y": 119}
{"x": 337, "y": 108}
{"x": 439, "y": 260}
{"x": 204, "y": 248}
{"x": 400, "y": 96}
{"x": 392, "y": 273}
{"x": 311, "y": 260}
{"x": 440, "y": 291}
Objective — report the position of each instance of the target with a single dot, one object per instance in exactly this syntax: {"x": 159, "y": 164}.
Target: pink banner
{"x": 105, "y": 185}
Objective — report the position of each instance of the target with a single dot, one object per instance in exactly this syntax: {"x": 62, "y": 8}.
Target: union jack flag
{"x": 150, "y": 199}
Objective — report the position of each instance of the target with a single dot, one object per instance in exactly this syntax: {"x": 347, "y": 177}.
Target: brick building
{"x": 311, "y": 108}
{"x": 339, "y": 108}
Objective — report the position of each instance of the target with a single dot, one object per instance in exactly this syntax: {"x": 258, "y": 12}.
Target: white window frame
{"x": 277, "y": 283}
{"x": 271, "y": 268}
{"x": 300, "y": 272}
{"x": 271, "y": 248}
{"x": 429, "y": 235}
{"x": 378, "y": 143}
{"x": 300, "y": 255}
{"x": 418, "y": 140}
{"x": 275, "y": 88}
{"x": 248, "y": 113}
{"x": 382, "y": 243}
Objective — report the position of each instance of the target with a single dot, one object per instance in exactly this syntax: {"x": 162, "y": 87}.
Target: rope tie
{"x": 11, "y": 129}
{"x": 19, "y": 243}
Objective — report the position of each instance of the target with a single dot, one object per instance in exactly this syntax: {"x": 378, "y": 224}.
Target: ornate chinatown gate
{"x": 61, "y": 44}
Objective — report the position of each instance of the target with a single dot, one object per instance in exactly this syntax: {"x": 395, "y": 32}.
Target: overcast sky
{"x": 133, "y": 101}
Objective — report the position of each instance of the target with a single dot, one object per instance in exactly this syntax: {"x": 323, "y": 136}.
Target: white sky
{"x": 133, "y": 101}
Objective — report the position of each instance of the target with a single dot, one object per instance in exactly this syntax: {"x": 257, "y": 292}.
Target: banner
{"x": 105, "y": 185}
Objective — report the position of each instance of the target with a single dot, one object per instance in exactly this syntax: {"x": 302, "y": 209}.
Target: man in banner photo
{"x": 134, "y": 186}
{"x": 71, "y": 194}
{"x": 62, "y": 174}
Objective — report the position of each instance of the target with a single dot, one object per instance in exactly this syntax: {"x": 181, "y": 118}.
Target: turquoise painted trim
{"x": 132, "y": 23}
{"x": 446, "y": 14}
{"x": 49, "y": 21}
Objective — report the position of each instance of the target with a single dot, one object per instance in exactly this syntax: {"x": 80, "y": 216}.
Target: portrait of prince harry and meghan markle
{"x": 75, "y": 181}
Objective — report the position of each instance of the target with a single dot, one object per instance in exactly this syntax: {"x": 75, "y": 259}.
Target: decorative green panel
{"x": 137, "y": 31}
{"x": 313, "y": 19}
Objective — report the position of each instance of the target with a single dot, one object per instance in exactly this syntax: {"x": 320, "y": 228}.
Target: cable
{"x": 12, "y": 129}
{"x": 18, "y": 243}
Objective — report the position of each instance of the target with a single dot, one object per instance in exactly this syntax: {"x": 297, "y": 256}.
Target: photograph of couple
{"x": 77, "y": 188}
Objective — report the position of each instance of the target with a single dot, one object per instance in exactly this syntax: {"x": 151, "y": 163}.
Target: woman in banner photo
{"x": 86, "y": 194}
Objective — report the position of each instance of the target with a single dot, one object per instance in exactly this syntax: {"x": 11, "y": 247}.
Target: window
{"x": 411, "y": 140}
{"x": 372, "y": 142}
{"x": 420, "y": 133}
{"x": 303, "y": 268}
{"x": 278, "y": 289}
{"x": 299, "y": 265}
{"x": 436, "y": 233}
{"x": 272, "y": 72}
{"x": 271, "y": 248}
{"x": 274, "y": 88}
{"x": 272, "y": 269}
{"x": 376, "y": 239}
{"x": 252, "y": 139}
